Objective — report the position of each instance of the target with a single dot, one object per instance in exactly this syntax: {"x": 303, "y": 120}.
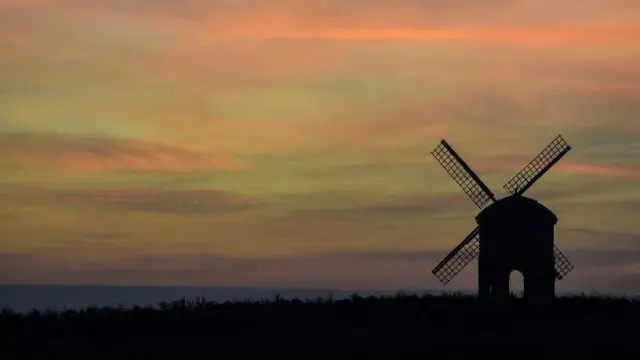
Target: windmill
{"x": 513, "y": 233}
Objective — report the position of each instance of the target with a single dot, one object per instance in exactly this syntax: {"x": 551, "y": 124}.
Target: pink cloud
{"x": 513, "y": 163}
{"x": 95, "y": 155}
{"x": 600, "y": 169}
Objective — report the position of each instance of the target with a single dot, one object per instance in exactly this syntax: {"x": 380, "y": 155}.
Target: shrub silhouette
{"x": 574, "y": 323}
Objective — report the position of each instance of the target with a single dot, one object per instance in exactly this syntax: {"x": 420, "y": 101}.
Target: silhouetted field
{"x": 370, "y": 327}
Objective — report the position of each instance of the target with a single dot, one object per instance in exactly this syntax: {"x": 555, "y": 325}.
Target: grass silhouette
{"x": 373, "y": 325}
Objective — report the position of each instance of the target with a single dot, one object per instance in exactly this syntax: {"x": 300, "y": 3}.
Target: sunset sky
{"x": 256, "y": 142}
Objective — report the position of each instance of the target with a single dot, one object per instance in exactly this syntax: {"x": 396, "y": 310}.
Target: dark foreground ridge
{"x": 359, "y": 327}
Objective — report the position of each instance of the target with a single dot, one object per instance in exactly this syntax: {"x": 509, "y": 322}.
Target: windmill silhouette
{"x": 513, "y": 233}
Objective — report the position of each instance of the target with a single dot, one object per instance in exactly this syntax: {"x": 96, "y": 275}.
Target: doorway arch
{"x": 516, "y": 284}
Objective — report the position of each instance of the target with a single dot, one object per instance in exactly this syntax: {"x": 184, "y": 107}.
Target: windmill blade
{"x": 458, "y": 258}
{"x": 538, "y": 166}
{"x": 479, "y": 193}
{"x": 562, "y": 265}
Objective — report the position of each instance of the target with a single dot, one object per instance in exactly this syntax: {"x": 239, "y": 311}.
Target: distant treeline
{"x": 569, "y": 325}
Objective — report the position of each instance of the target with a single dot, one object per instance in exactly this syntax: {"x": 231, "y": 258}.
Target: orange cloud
{"x": 98, "y": 155}
{"x": 199, "y": 24}
{"x": 628, "y": 34}
{"x": 522, "y": 21}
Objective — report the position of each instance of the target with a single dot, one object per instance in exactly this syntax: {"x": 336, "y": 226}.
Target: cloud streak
{"x": 354, "y": 270}
{"x": 163, "y": 200}
{"x": 102, "y": 155}
{"x": 255, "y": 129}
{"x": 621, "y": 171}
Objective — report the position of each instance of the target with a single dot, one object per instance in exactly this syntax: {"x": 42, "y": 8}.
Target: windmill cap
{"x": 516, "y": 207}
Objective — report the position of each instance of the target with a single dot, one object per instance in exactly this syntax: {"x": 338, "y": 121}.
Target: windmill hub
{"x": 513, "y": 233}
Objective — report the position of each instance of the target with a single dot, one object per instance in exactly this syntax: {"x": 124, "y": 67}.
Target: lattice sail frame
{"x": 470, "y": 183}
{"x": 459, "y": 258}
{"x": 469, "y": 250}
{"x": 562, "y": 265}
{"x": 537, "y": 167}
{"x": 480, "y": 194}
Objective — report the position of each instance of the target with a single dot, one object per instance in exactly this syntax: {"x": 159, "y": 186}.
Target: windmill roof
{"x": 516, "y": 206}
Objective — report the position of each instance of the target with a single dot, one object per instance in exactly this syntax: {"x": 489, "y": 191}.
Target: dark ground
{"x": 439, "y": 327}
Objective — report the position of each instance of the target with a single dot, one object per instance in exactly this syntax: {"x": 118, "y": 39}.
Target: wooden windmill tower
{"x": 513, "y": 233}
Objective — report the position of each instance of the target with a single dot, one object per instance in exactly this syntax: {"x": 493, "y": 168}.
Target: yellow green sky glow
{"x": 287, "y": 143}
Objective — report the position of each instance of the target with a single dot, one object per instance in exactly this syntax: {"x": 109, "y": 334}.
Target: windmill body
{"x": 516, "y": 234}
{"x": 513, "y": 233}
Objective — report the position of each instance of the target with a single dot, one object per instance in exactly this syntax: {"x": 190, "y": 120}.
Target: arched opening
{"x": 516, "y": 284}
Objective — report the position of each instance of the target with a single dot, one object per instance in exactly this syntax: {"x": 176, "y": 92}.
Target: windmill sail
{"x": 550, "y": 155}
{"x": 458, "y": 258}
{"x": 562, "y": 265}
{"x": 524, "y": 179}
{"x": 479, "y": 193}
